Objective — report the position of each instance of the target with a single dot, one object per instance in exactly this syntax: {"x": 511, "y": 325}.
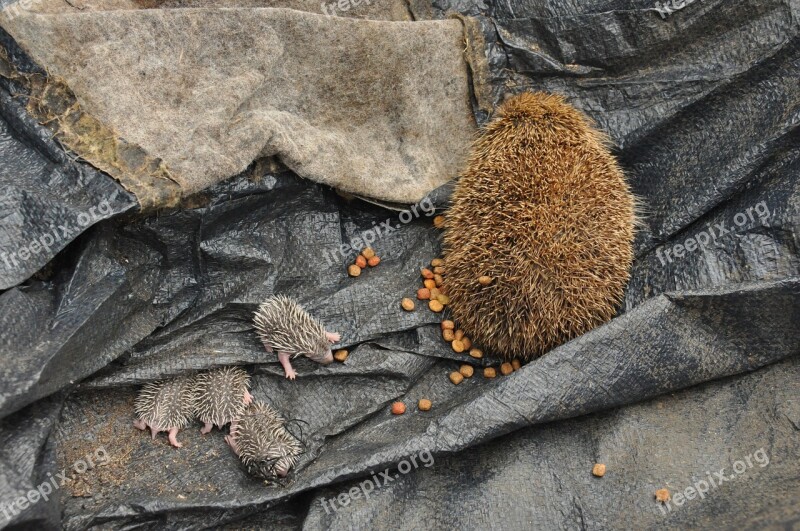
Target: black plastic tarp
{"x": 698, "y": 373}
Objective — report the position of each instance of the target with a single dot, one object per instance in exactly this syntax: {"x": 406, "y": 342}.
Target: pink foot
{"x": 139, "y": 424}
{"x": 333, "y": 337}
{"x": 173, "y": 434}
{"x": 248, "y": 398}
{"x": 287, "y": 365}
{"x": 232, "y": 444}
{"x": 207, "y": 428}
{"x": 154, "y": 432}
{"x": 267, "y": 346}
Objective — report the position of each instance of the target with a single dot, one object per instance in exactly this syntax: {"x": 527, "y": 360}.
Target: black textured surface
{"x": 698, "y": 372}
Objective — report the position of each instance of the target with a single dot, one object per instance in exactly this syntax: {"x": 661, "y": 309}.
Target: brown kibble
{"x": 448, "y": 325}
{"x": 599, "y": 470}
{"x": 424, "y": 404}
{"x": 448, "y": 335}
{"x": 429, "y": 283}
{"x": 459, "y": 334}
{"x": 466, "y": 370}
{"x": 340, "y": 355}
{"x": 423, "y": 294}
{"x": 375, "y": 260}
{"x": 435, "y": 293}
{"x": 435, "y": 306}
{"x": 515, "y": 363}
{"x": 438, "y": 222}
{"x": 476, "y": 353}
{"x": 662, "y": 495}
{"x": 407, "y": 304}
{"x": 438, "y": 279}
{"x": 467, "y": 342}
{"x": 398, "y": 408}
{"x": 506, "y": 369}
{"x": 484, "y": 280}
{"x": 368, "y": 253}
{"x": 354, "y": 270}
{"x": 437, "y": 262}
{"x": 438, "y": 270}
{"x": 444, "y": 299}
{"x": 489, "y": 372}
{"x": 458, "y": 345}
{"x": 456, "y": 377}
{"x": 361, "y": 261}
{"x": 426, "y": 273}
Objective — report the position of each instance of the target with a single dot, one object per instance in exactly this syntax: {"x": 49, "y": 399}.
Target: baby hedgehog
{"x": 262, "y": 442}
{"x": 165, "y": 405}
{"x": 543, "y": 216}
{"x": 221, "y": 395}
{"x": 286, "y": 328}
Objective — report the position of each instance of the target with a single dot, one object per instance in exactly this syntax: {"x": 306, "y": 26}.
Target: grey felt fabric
{"x": 375, "y": 108}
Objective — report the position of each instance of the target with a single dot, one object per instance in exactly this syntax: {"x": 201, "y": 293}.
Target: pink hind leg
{"x": 333, "y": 337}
{"x": 207, "y": 428}
{"x": 248, "y": 398}
{"x": 139, "y": 424}
{"x": 173, "y": 433}
{"x": 232, "y": 444}
{"x": 287, "y": 365}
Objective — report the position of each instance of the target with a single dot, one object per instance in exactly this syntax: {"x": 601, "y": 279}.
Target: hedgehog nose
{"x": 281, "y": 472}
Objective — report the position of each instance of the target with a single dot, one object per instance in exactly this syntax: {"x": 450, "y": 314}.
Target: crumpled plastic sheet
{"x": 698, "y": 372}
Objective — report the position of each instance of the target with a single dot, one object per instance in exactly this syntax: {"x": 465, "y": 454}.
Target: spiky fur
{"x": 219, "y": 395}
{"x": 166, "y": 404}
{"x": 545, "y": 210}
{"x": 264, "y": 445}
{"x": 284, "y": 326}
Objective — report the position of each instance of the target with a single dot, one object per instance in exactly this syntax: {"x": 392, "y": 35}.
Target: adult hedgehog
{"x": 543, "y": 211}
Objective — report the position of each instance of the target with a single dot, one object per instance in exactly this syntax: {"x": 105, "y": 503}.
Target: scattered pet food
{"x": 353, "y": 270}
{"x": 340, "y": 355}
{"x": 662, "y": 495}
{"x": 435, "y": 306}
{"x": 599, "y": 470}
{"x": 424, "y": 404}
{"x": 438, "y": 222}
{"x": 506, "y": 369}
{"x": 489, "y": 372}
{"x": 466, "y": 370}
{"x": 398, "y": 408}
{"x": 407, "y": 304}
{"x": 456, "y": 377}
{"x": 423, "y": 294}
{"x": 476, "y": 353}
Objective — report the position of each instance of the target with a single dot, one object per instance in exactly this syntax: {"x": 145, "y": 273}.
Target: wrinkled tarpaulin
{"x": 703, "y": 105}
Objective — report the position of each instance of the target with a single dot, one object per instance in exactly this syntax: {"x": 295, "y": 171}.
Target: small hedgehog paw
{"x": 291, "y": 374}
{"x": 333, "y": 337}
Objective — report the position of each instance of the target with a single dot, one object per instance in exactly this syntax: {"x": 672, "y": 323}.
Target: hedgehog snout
{"x": 328, "y": 358}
